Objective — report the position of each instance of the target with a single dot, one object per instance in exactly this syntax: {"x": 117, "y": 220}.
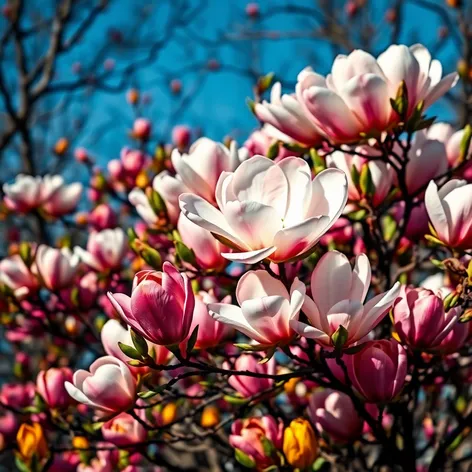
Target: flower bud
{"x": 31, "y": 441}
{"x": 300, "y": 446}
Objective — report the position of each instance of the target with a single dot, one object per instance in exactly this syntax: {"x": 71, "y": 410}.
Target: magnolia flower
{"x": 56, "y": 267}
{"x": 105, "y": 249}
{"x": 160, "y": 307}
{"x": 260, "y": 142}
{"x": 24, "y": 194}
{"x": 450, "y": 212}
{"x": 355, "y": 97}
{"x": 287, "y": 120}
{"x": 380, "y": 172}
{"x": 50, "y": 385}
{"x": 337, "y": 299}
{"x": 17, "y": 276}
{"x": 269, "y": 210}
{"x": 57, "y": 197}
{"x": 123, "y": 430}
{"x": 266, "y": 308}
{"x": 109, "y": 386}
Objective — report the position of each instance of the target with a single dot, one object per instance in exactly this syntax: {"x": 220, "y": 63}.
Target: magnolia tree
{"x": 298, "y": 303}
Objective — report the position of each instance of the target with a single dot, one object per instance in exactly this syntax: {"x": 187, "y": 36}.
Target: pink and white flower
{"x": 17, "y": 276}
{"x": 109, "y": 387}
{"x": 450, "y": 212}
{"x": 267, "y": 308}
{"x": 105, "y": 249}
{"x": 57, "y": 197}
{"x": 24, "y": 194}
{"x": 355, "y": 97}
{"x": 269, "y": 210}
{"x": 337, "y": 299}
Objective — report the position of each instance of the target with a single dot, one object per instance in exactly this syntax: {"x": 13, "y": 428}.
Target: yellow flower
{"x": 210, "y": 417}
{"x": 30, "y": 440}
{"x": 61, "y": 146}
{"x": 300, "y": 445}
{"x": 142, "y": 180}
{"x": 80, "y": 442}
{"x": 168, "y": 414}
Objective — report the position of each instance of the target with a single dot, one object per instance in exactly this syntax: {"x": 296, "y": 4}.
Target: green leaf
{"x": 269, "y": 354}
{"x": 151, "y": 256}
{"x": 273, "y": 150}
{"x": 318, "y": 464}
{"x": 389, "y": 225}
{"x": 192, "y": 340}
{"x": 366, "y": 183}
{"x": 267, "y": 446}
{"x": 339, "y": 337}
{"x": 465, "y": 143}
{"x": 358, "y": 215}
{"x": 186, "y": 254}
{"x": 250, "y": 347}
{"x": 234, "y": 400}
{"x": 425, "y": 123}
{"x": 294, "y": 147}
{"x": 319, "y": 163}
{"x": 131, "y": 352}
{"x": 152, "y": 393}
{"x": 21, "y": 466}
{"x": 131, "y": 234}
{"x": 265, "y": 82}
{"x": 157, "y": 203}
{"x": 434, "y": 240}
{"x": 354, "y": 349}
{"x": 355, "y": 176}
{"x": 25, "y": 253}
{"x": 74, "y": 296}
{"x": 400, "y": 104}
{"x": 244, "y": 459}
{"x": 251, "y": 105}
{"x": 139, "y": 343}
{"x": 136, "y": 363}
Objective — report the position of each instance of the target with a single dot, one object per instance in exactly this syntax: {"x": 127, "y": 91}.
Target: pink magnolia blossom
{"x": 109, "y": 387}
{"x": 355, "y": 97}
{"x": 123, "y": 430}
{"x": 9, "y": 425}
{"x": 106, "y": 250}
{"x": 24, "y": 194}
{"x": 267, "y": 308}
{"x": 98, "y": 464}
{"x": 420, "y": 319}
{"x": 17, "y": 276}
{"x": 160, "y": 307}
{"x": 142, "y": 128}
{"x": 260, "y": 142}
{"x": 133, "y": 160}
{"x": 85, "y": 290}
{"x": 249, "y": 435}
{"x": 450, "y": 212}
{"x": 56, "y": 267}
{"x": 210, "y": 332}
{"x": 337, "y": 299}
{"x": 50, "y": 385}
{"x": 206, "y": 248}
{"x": 455, "y": 339}
{"x": 250, "y": 386}
{"x": 381, "y": 174}
{"x": 286, "y": 119}
{"x": 112, "y": 333}
{"x": 17, "y": 395}
{"x": 198, "y": 171}
{"x": 181, "y": 136}
{"x": 334, "y": 414}
{"x": 102, "y": 217}
{"x": 377, "y": 372}
{"x": 57, "y": 197}
{"x": 269, "y": 210}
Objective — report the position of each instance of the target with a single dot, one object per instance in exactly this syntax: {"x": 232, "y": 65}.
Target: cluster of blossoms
{"x": 289, "y": 311}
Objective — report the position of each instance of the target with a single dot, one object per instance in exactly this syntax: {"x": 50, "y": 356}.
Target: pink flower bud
{"x": 142, "y": 128}
{"x": 17, "y": 395}
{"x": 334, "y": 414}
{"x": 181, "y": 135}
{"x": 109, "y": 387}
{"x": 102, "y": 217}
{"x": 252, "y": 10}
{"x": 50, "y": 385}
{"x": 420, "y": 319}
{"x": 176, "y": 86}
{"x": 81, "y": 154}
{"x": 56, "y": 267}
{"x": 249, "y": 435}
{"x": 115, "y": 169}
{"x": 156, "y": 298}
{"x": 133, "y": 160}
{"x": 9, "y": 425}
{"x": 377, "y": 371}
{"x": 123, "y": 430}
{"x": 455, "y": 340}
{"x": 249, "y": 386}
